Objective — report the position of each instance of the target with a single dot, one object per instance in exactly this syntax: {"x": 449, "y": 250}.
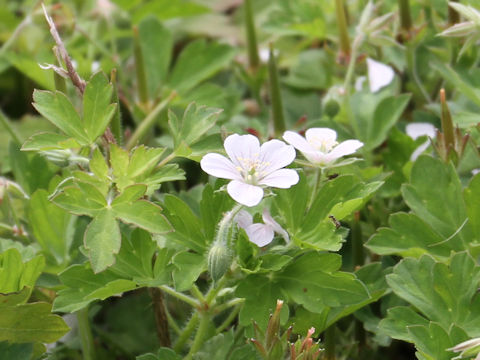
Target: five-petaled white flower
{"x": 252, "y": 167}
{"x": 258, "y": 233}
{"x": 320, "y": 146}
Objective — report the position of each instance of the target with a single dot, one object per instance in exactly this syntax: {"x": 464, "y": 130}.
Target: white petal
{"x": 283, "y": 178}
{"x": 245, "y": 194}
{"x": 277, "y": 154}
{"x": 315, "y": 135}
{"x": 260, "y": 234}
{"x": 418, "y": 151}
{"x": 475, "y": 171}
{"x": 219, "y": 166}
{"x": 379, "y": 75}
{"x": 317, "y": 157}
{"x": 269, "y": 220}
{"x": 297, "y": 141}
{"x": 240, "y": 147}
{"x": 415, "y": 130}
{"x": 244, "y": 219}
{"x": 359, "y": 83}
{"x": 345, "y": 148}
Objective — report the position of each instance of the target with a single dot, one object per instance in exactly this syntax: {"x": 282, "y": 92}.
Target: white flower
{"x": 252, "y": 167}
{"x": 379, "y": 75}
{"x": 260, "y": 234}
{"x": 320, "y": 145}
{"x": 415, "y": 130}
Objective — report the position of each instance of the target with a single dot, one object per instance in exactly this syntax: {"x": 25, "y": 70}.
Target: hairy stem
{"x": 161, "y": 319}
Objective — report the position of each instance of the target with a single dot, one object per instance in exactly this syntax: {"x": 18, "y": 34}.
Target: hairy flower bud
{"x": 219, "y": 260}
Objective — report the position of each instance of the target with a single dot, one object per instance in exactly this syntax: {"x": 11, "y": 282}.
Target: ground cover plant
{"x": 224, "y": 179}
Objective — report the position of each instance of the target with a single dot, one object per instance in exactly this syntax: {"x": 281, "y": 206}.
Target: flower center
{"x": 252, "y": 169}
{"x": 322, "y": 144}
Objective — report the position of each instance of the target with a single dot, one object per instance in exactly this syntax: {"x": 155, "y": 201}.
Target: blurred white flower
{"x": 467, "y": 349}
{"x": 320, "y": 146}
{"x": 252, "y": 167}
{"x": 415, "y": 130}
{"x": 379, "y": 75}
{"x": 260, "y": 234}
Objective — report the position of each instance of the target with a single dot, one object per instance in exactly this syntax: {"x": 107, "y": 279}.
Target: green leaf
{"x": 162, "y": 354}
{"x": 15, "y": 298}
{"x": 398, "y": 320}
{"x": 218, "y": 347}
{"x": 156, "y": 42}
{"x": 99, "y": 167}
{"x": 443, "y": 293}
{"x": 97, "y": 107}
{"x": 30, "y": 323}
{"x": 440, "y": 206}
{"x": 189, "y": 266}
{"x": 385, "y": 117}
{"x": 196, "y": 121}
{"x": 471, "y": 196}
{"x": 24, "y": 63}
{"x": 143, "y": 214}
{"x": 188, "y": 231}
{"x": 313, "y": 281}
{"x": 84, "y": 286}
{"x": 409, "y": 235}
{"x": 81, "y": 199}
{"x": 49, "y": 141}
{"x": 198, "y": 61}
{"x": 16, "y": 351}
{"x": 167, "y": 9}
{"x": 309, "y": 72}
{"x": 129, "y": 195}
{"x": 432, "y": 341}
{"x": 58, "y": 109}
{"x": 15, "y": 274}
{"x": 51, "y": 226}
{"x": 102, "y": 239}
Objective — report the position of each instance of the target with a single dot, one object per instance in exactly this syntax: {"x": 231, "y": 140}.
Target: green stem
{"x": 6, "y": 124}
{"x": 200, "y": 335}
{"x": 330, "y": 343}
{"x": 116, "y": 124}
{"x": 197, "y": 293}
{"x": 351, "y": 65}
{"x": 412, "y": 67}
{"x": 173, "y": 323}
{"x": 233, "y": 314}
{"x": 88, "y": 346}
{"x": 166, "y": 160}
{"x": 148, "y": 122}
{"x": 275, "y": 96}
{"x": 140, "y": 68}
{"x": 186, "y": 332}
{"x": 237, "y": 301}
{"x": 180, "y": 296}
{"x": 161, "y": 318}
{"x": 316, "y": 185}
{"x": 342, "y": 27}
{"x": 405, "y": 17}
{"x": 253, "y": 58}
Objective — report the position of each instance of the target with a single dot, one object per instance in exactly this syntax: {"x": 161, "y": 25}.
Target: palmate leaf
{"x": 440, "y": 220}
{"x": 311, "y": 280}
{"x": 442, "y": 293}
{"x": 102, "y": 238}
{"x": 139, "y": 263}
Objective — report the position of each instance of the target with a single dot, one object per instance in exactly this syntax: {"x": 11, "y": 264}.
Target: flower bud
{"x": 331, "y": 101}
{"x": 219, "y": 260}
{"x": 64, "y": 158}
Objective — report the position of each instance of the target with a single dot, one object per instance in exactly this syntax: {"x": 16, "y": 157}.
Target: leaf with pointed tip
{"x": 30, "y": 323}
{"x": 97, "y": 107}
{"x": 58, "y": 109}
{"x": 102, "y": 239}
{"x": 143, "y": 214}
{"x": 49, "y": 141}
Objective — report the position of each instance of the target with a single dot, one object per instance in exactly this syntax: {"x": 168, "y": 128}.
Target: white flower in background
{"x": 379, "y": 75}
{"x": 415, "y": 130}
{"x": 320, "y": 146}
{"x": 252, "y": 167}
{"x": 467, "y": 349}
{"x": 260, "y": 234}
